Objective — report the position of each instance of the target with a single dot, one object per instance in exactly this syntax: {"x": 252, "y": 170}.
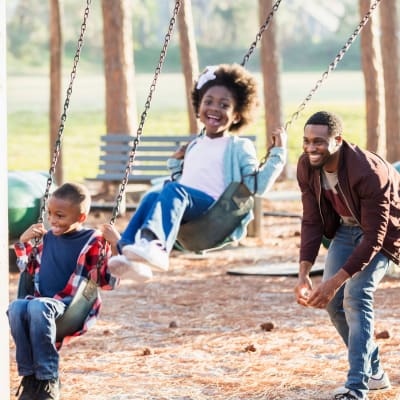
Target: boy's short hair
{"x": 241, "y": 83}
{"x": 76, "y": 193}
{"x": 329, "y": 119}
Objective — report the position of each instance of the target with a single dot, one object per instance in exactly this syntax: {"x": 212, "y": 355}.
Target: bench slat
{"x": 120, "y": 148}
{"x": 122, "y": 158}
{"x": 119, "y": 167}
{"x": 117, "y": 177}
{"x": 145, "y": 138}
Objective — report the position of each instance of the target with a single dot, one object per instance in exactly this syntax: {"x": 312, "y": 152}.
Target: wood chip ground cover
{"x": 197, "y": 333}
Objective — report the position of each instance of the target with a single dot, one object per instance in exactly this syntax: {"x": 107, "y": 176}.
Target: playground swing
{"x": 87, "y": 292}
{"x": 213, "y": 228}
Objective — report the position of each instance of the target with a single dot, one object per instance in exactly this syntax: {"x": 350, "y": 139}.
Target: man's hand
{"x": 324, "y": 293}
{"x": 302, "y": 290}
{"x": 304, "y": 284}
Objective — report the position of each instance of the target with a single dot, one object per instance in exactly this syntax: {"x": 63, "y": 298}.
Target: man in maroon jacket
{"x": 352, "y": 197}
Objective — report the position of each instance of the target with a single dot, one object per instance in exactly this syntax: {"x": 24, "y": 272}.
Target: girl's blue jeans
{"x": 163, "y": 212}
{"x": 33, "y": 329}
{"x": 351, "y": 310}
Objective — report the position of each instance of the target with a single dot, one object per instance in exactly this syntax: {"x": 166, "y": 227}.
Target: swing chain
{"x": 143, "y": 116}
{"x": 260, "y": 32}
{"x": 57, "y": 147}
{"x": 334, "y": 63}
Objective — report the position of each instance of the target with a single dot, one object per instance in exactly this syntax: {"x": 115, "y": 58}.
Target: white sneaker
{"x": 379, "y": 383}
{"x": 120, "y": 266}
{"x": 152, "y": 252}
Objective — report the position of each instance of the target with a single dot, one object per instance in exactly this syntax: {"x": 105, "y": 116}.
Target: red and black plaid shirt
{"x": 86, "y": 266}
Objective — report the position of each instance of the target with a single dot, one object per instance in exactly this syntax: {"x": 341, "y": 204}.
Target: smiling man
{"x": 352, "y": 197}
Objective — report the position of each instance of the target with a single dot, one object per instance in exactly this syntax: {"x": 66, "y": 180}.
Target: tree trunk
{"x": 373, "y": 77}
{"x": 118, "y": 65}
{"x": 270, "y": 72}
{"x": 391, "y": 74}
{"x": 189, "y": 59}
{"x": 55, "y": 84}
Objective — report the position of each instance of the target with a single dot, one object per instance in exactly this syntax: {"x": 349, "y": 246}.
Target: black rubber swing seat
{"x": 77, "y": 311}
{"x": 213, "y": 228}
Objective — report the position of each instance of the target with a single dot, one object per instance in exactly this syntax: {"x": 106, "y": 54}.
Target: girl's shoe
{"x": 152, "y": 252}
{"x": 120, "y": 266}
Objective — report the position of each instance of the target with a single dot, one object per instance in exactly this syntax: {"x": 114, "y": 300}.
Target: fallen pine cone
{"x": 382, "y": 335}
{"x": 267, "y": 326}
{"x": 250, "y": 348}
{"x": 173, "y": 324}
{"x": 147, "y": 352}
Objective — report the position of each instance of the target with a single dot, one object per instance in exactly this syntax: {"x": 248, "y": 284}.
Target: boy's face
{"x": 217, "y": 110}
{"x": 63, "y": 216}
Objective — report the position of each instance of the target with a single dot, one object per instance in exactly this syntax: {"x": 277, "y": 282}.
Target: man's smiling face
{"x": 322, "y": 149}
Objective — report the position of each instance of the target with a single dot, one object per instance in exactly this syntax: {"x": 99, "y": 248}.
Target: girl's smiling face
{"x": 217, "y": 111}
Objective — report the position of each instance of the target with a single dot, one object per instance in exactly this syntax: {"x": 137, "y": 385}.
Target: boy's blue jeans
{"x": 33, "y": 328}
{"x": 163, "y": 212}
{"x": 351, "y": 310}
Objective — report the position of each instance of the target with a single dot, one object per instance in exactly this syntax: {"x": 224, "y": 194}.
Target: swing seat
{"x": 77, "y": 311}
{"x": 213, "y": 228}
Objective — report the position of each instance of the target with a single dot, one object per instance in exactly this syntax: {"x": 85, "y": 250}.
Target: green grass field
{"x": 28, "y": 126}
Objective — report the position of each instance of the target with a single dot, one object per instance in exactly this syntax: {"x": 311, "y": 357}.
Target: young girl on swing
{"x": 225, "y": 100}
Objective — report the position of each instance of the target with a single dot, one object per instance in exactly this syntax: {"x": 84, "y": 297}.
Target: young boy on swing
{"x": 68, "y": 252}
{"x": 224, "y": 99}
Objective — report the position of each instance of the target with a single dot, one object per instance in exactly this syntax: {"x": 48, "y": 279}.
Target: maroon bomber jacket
{"x": 370, "y": 186}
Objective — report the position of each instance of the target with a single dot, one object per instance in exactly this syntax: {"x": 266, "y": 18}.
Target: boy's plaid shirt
{"x": 86, "y": 267}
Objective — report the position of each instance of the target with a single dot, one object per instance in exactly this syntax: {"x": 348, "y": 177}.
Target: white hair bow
{"x": 206, "y": 76}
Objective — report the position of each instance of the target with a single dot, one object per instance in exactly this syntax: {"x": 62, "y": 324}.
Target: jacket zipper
{"x": 319, "y": 199}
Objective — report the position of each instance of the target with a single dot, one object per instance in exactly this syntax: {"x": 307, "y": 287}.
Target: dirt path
{"x": 197, "y": 333}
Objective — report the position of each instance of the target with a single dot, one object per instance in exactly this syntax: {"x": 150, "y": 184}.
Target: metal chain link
{"x": 260, "y": 32}
{"x": 143, "y": 117}
{"x": 57, "y": 147}
{"x": 333, "y": 64}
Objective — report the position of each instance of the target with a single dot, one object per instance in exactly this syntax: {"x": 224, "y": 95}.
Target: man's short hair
{"x": 76, "y": 193}
{"x": 329, "y": 119}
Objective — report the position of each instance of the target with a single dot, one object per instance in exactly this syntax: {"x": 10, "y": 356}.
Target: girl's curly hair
{"x": 241, "y": 84}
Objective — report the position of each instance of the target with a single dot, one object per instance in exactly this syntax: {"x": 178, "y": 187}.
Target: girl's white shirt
{"x": 204, "y": 166}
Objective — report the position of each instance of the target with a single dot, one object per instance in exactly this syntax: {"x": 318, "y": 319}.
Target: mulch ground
{"x": 198, "y": 333}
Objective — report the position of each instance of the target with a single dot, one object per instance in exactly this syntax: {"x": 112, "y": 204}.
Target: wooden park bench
{"x": 150, "y": 163}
